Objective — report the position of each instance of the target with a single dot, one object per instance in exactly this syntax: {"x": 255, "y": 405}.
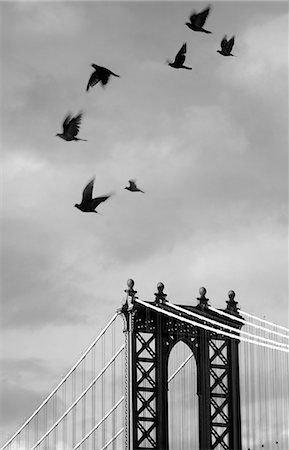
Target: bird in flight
{"x": 100, "y": 74}
{"x": 133, "y": 187}
{"x": 226, "y": 46}
{"x": 88, "y": 204}
{"x": 71, "y": 128}
{"x": 178, "y": 63}
{"x": 198, "y": 20}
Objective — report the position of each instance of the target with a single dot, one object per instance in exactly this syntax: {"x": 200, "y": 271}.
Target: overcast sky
{"x": 208, "y": 146}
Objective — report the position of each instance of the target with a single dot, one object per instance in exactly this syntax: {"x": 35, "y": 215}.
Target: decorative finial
{"x": 202, "y": 292}
{"x": 203, "y": 301}
{"x": 130, "y": 294}
{"x": 130, "y": 283}
{"x": 231, "y": 295}
{"x": 130, "y": 291}
{"x": 160, "y": 296}
{"x": 231, "y": 303}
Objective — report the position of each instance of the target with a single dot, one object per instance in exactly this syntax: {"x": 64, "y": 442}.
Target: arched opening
{"x": 182, "y": 399}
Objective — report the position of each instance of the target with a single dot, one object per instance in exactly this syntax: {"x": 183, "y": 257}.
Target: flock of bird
{"x": 102, "y": 75}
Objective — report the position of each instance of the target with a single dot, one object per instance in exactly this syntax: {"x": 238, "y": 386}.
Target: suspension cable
{"x": 112, "y": 439}
{"x": 122, "y": 399}
{"x": 61, "y": 382}
{"x": 266, "y": 321}
{"x": 215, "y": 322}
{"x": 98, "y": 424}
{"x": 251, "y": 324}
{"x": 79, "y": 398}
{"x": 205, "y": 327}
{"x": 180, "y": 367}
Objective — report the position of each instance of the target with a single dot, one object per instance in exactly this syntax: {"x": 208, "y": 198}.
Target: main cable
{"x": 205, "y": 327}
{"x": 215, "y": 322}
{"x": 251, "y": 324}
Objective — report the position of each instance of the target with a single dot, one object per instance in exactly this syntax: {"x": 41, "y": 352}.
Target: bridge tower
{"x": 150, "y": 337}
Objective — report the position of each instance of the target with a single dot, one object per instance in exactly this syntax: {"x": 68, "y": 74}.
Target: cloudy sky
{"x": 208, "y": 146}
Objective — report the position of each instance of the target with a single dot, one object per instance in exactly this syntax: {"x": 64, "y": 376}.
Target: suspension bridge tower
{"x": 152, "y": 329}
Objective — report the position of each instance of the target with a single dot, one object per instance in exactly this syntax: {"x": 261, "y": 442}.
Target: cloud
{"x": 261, "y": 66}
{"x": 17, "y": 403}
{"x": 13, "y": 369}
{"x": 42, "y": 293}
{"x": 44, "y": 19}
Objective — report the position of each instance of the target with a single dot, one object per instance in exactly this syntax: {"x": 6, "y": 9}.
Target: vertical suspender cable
{"x": 266, "y": 396}
{"x": 286, "y": 394}
{"x": 93, "y": 395}
{"x": 283, "y": 398}
{"x": 260, "y": 394}
{"x": 274, "y": 396}
{"x": 270, "y": 394}
{"x": 74, "y": 410}
{"x": 246, "y": 405}
{"x": 64, "y": 437}
{"x": 55, "y": 418}
{"x": 254, "y": 388}
{"x": 103, "y": 389}
{"x": 83, "y": 402}
{"x": 113, "y": 387}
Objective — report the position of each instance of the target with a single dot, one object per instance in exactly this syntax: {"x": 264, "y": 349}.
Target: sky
{"x": 208, "y": 146}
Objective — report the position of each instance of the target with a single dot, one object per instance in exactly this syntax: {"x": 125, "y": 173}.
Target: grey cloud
{"x": 17, "y": 403}
{"x": 11, "y": 368}
{"x": 36, "y": 289}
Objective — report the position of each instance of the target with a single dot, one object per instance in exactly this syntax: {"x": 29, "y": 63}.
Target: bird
{"x": 178, "y": 63}
{"x": 88, "y": 204}
{"x": 226, "y": 46}
{"x": 71, "y": 128}
{"x": 101, "y": 74}
{"x": 133, "y": 187}
{"x": 198, "y": 20}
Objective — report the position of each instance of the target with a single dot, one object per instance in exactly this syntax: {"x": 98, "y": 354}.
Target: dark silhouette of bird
{"x": 178, "y": 63}
{"x": 88, "y": 204}
{"x": 71, "y": 128}
{"x": 100, "y": 74}
{"x": 198, "y": 20}
{"x": 226, "y": 46}
{"x": 133, "y": 187}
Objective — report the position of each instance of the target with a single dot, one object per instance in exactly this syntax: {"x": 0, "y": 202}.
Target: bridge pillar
{"x": 150, "y": 336}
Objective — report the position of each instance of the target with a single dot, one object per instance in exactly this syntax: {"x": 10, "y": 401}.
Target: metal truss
{"x": 152, "y": 336}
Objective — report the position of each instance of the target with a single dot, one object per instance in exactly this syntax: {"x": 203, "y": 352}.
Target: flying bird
{"x": 100, "y": 74}
{"x": 71, "y": 128}
{"x": 133, "y": 187}
{"x": 198, "y": 20}
{"x": 226, "y": 46}
{"x": 178, "y": 63}
{"x": 88, "y": 204}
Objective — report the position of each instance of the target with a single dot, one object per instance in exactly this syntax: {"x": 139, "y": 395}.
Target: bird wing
{"x": 96, "y": 67}
{"x": 96, "y": 201}
{"x": 94, "y": 78}
{"x": 101, "y": 74}
{"x": 71, "y": 128}
{"x": 132, "y": 183}
{"x": 181, "y": 55}
{"x": 193, "y": 17}
{"x": 200, "y": 18}
{"x": 87, "y": 192}
{"x": 224, "y": 43}
{"x": 114, "y": 74}
{"x": 65, "y": 122}
{"x": 230, "y": 44}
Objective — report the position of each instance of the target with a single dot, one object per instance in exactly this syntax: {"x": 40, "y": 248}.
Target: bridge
{"x": 163, "y": 375}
